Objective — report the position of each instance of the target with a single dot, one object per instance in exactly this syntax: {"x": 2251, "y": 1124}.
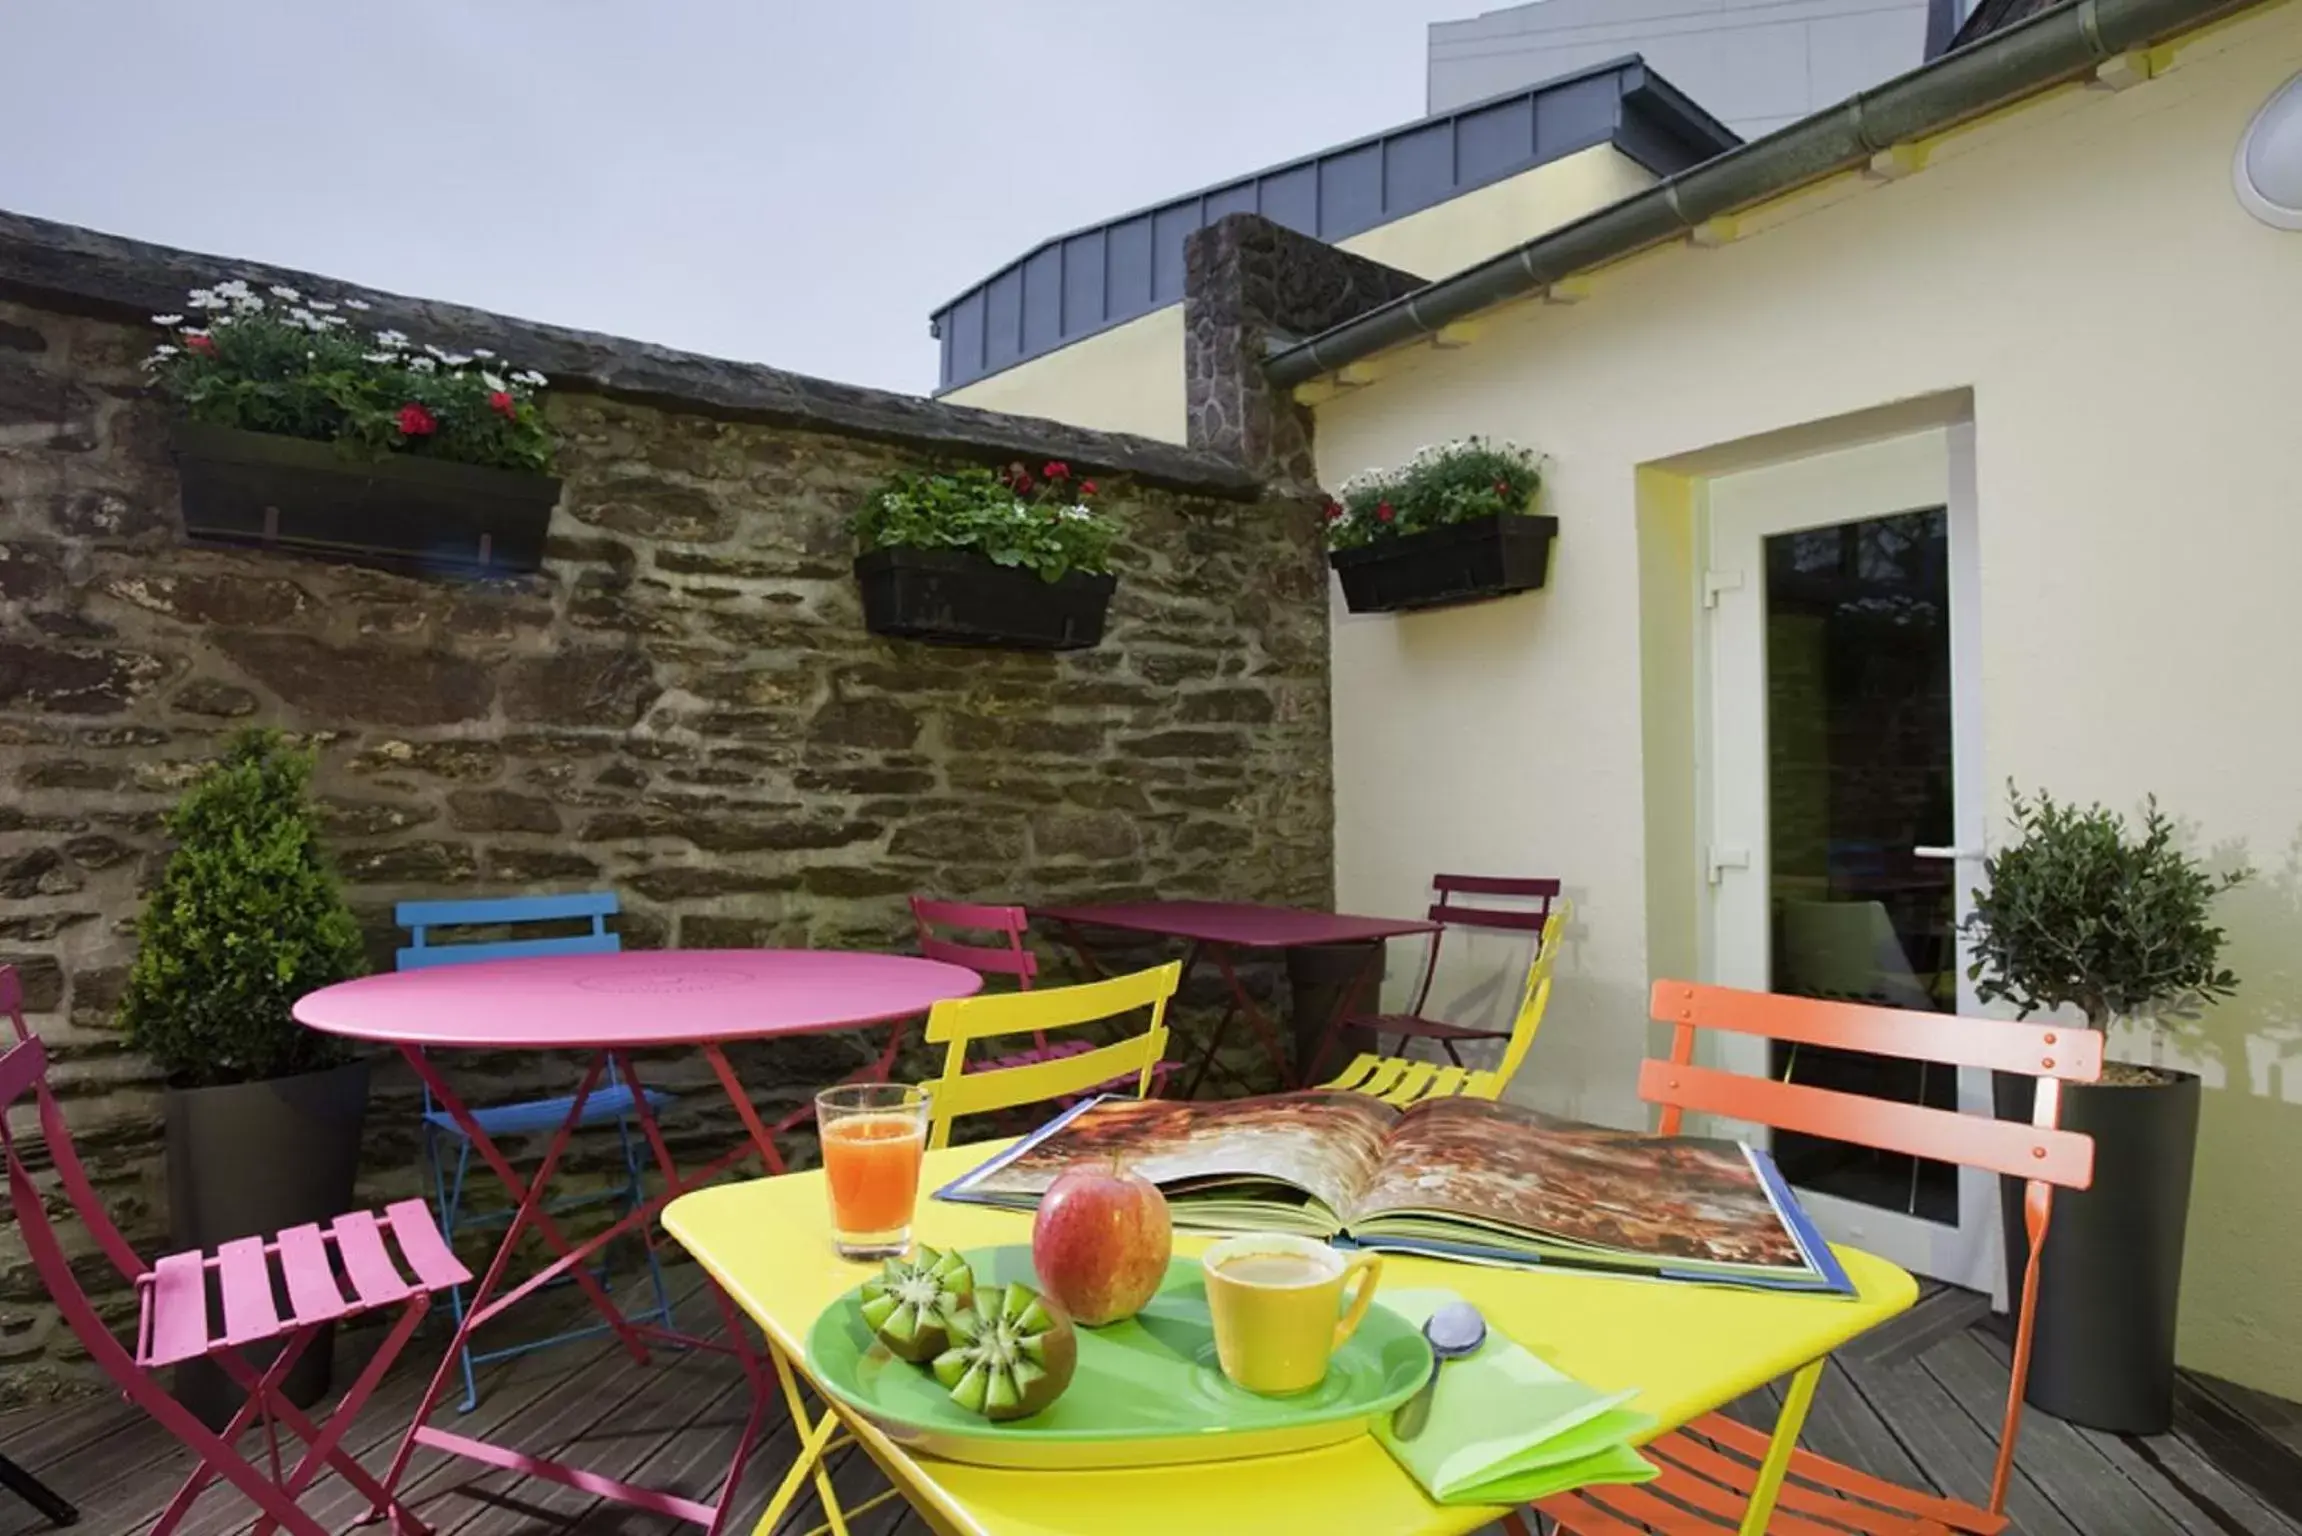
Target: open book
{"x": 1450, "y": 1178}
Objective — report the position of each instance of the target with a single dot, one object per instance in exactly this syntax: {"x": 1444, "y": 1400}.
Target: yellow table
{"x": 1687, "y": 1348}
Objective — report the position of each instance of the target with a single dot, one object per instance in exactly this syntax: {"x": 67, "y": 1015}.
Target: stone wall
{"x": 682, "y": 705}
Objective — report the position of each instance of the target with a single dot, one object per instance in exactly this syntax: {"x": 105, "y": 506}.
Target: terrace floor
{"x": 1916, "y": 1403}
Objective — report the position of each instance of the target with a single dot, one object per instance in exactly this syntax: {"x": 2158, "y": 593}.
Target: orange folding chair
{"x": 1721, "y": 1476}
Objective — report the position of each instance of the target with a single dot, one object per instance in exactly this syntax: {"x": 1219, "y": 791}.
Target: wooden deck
{"x": 1918, "y": 1405}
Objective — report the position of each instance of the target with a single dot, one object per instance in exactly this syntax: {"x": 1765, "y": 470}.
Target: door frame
{"x": 1735, "y": 512}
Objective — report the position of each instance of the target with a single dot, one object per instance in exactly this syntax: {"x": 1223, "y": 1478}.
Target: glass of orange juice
{"x": 874, "y": 1135}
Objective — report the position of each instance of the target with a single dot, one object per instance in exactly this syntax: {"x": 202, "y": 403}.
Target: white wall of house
{"x": 1130, "y": 377}
{"x": 2079, "y": 276}
{"x": 1754, "y": 64}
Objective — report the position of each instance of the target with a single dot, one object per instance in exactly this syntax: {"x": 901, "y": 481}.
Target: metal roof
{"x": 1091, "y": 279}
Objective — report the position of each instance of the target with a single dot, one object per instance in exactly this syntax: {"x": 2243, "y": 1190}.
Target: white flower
{"x": 435, "y": 351}
{"x": 234, "y": 289}
{"x": 190, "y": 331}
{"x": 355, "y": 304}
{"x": 391, "y": 340}
{"x": 422, "y": 364}
{"x": 531, "y": 378}
{"x": 453, "y": 359}
{"x": 290, "y": 294}
{"x": 491, "y": 381}
{"x": 332, "y": 322}
{"x": 481, "y": 352}
{"x": 321, "y": 305}
{"x": 381, "y": 357}
{"x": 167, "y": 319}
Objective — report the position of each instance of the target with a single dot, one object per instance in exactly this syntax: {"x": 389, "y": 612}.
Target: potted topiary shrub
{"x": 1456, "y": 524}
{"x": 1007, "y": 559}
{"x": 262, "y": 1116}
{"x": 2083, "y": 911}
{"x": 299, "y": 428}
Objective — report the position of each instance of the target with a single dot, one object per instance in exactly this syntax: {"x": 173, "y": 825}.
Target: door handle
{"x": 1927, "y": 851}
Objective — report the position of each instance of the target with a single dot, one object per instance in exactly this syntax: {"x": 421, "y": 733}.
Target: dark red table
{"x": 1219, "y": 931}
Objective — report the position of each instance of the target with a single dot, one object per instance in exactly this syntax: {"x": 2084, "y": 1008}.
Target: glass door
{"x": 1842, "y": 758}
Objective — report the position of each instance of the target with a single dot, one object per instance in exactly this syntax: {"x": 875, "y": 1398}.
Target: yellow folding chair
{"x": 960, "y": 1022}
{"x": 1403, "y": 1081}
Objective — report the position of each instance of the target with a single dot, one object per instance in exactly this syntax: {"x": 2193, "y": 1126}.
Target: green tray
{"x": 1147, "y": 1393}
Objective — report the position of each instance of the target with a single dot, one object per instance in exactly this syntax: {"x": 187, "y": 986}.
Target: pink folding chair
{"x": 1006, "y": 957}
{"x": 1450, "y": 911}
{"x": 241, "y": 1283}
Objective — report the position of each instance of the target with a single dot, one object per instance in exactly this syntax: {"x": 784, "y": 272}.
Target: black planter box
{"x": 1459, "y": 563}
{"x": 957, "y": 597}
{"x": 2102, "y": 1348}
{"x": 421, "y": 515}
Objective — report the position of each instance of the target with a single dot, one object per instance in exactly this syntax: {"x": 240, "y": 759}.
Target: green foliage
{"x": 1044, "y": 523}
{"x": 1450, "y": 483}
{"x": 247, "y": 918}
{"x": 302, "y": 368}
{"x": 2080, "y": 910}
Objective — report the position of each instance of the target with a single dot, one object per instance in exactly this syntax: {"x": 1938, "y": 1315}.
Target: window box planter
{"x": 957, "y": 597}
{"x": 404, "y": 513}
{"x": 1462, "y": 562}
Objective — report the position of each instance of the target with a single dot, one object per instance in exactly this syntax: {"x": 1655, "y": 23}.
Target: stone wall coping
{"x": 85, "y": 271}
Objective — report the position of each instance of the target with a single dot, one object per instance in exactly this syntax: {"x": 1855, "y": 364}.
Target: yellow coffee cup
{"x": 1278, "y": 1307}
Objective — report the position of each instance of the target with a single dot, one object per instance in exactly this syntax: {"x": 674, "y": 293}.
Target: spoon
{"x": 1455, "y": 1330}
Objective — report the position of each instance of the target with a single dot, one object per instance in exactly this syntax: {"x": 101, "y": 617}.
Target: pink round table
{"x": 608, "y": 1006}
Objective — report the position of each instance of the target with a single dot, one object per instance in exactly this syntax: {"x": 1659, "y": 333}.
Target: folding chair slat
{"x": 435, "y": 1264}
{"x": 246, "y": 1281}
{"x": 360, "y": 1244}
{"x": 313, "y": 1295}
{"x": 179, "y": 1302}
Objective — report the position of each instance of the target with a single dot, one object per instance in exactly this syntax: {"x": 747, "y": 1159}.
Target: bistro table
{"x": 1218, "y": 931}
{"x": 606, "y": 1007}
{"x": 1687, "y": 1349}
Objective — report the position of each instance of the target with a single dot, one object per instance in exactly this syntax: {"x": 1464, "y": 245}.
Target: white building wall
{"x": 1755, "y": 64}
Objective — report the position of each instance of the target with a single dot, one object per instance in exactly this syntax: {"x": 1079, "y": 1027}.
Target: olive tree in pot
{"x": 2084, "y": 911}
{"x": 263, "y": 1116}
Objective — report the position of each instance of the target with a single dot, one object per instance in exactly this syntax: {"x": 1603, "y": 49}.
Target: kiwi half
{"x": 912, "y": 1302}
{"x": 1012, "y": 1353}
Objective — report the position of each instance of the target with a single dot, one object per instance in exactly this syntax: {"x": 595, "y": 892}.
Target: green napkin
{"x": 1507, "y": 1429}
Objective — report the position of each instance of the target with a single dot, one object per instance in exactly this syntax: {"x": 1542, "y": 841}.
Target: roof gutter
{"x": 2049, "y": 48}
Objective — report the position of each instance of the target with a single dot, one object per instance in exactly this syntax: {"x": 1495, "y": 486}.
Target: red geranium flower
{"x": 1056, "y": 469}
{"x": 1502, "y": 487}
{"x": 502, "y": 403}
{"x": 1334, "y": 510}
{"x": 204, "y": 345}
{"x": 415, "y": 421}
{"x": 1086, "y": 487}
{"x": 1384, "y": 514}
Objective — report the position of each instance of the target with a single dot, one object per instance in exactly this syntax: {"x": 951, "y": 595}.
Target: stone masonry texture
{"x": 682, "y": 705}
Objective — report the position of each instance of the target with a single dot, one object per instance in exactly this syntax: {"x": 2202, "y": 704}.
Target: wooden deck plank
{"x": 1942, "y": 1438}
{"x": 2097, "y": 1492}
{"x": 2197, "y": 1494}
{"x": 1844, "y": 1426}
{"x": 2225, "y": 1432}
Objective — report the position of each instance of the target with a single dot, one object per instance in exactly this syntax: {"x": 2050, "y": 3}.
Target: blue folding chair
{"x": 612, "y": 1100}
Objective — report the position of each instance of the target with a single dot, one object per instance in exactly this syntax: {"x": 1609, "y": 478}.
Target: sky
{"x": 794, "y": 182}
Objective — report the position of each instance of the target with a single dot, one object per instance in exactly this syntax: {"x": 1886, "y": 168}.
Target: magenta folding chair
{"x": 1449, "y": 911}
{"x": 1006, "y": 957}
{"x": 180, "y": 1299}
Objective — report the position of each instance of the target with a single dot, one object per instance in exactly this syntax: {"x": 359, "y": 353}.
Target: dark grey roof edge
{"x": 1588, "y": 72}
{"x": 82, "y": 270}
{"x": 2056, "y": 45}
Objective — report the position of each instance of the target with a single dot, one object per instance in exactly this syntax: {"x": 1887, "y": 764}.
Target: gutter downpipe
{"x": 2051, "y": 47}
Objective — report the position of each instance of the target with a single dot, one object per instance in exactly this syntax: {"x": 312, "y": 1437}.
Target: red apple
{"x": 1101, "y": 1242}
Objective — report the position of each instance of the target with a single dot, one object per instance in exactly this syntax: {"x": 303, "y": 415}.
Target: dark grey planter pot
{"x": 2102, "y": 1349}
{"x": 246, "y": 1161}
{"x": 1465, "y": 562}
{"x": 425, "y": 516}
{"x": 958, "y": 597}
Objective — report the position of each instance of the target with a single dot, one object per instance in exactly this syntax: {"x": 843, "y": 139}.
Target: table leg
{"x": 1268, "y": 1031}
{"x": 1776, "y": 1466}
{"x": 1345, "y": 1007}
{"x": 1087, "y": 960}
